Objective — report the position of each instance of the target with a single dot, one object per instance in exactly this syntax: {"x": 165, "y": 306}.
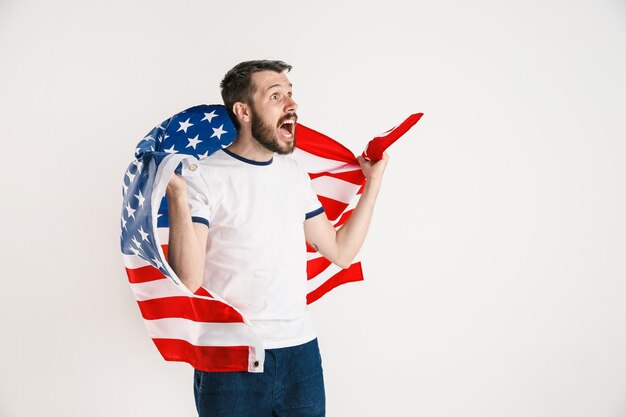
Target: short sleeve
{"x": 312, "y": 204}
{"x": 197, "y": 195}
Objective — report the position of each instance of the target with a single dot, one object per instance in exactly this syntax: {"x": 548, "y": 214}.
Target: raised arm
{"x": 340, "y": 247}
{"x": 187, "y": 241}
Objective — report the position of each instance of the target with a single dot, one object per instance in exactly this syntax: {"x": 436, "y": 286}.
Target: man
{"x": 238, "y": 229}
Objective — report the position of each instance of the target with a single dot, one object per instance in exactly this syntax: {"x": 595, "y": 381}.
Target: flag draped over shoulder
{"x": 200, "y": 328}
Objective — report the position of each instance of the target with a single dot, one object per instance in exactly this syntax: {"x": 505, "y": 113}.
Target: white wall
{"x": 496, "y": 260}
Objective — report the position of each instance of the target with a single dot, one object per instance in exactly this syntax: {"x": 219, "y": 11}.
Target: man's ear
{"x": 242, "y": 111}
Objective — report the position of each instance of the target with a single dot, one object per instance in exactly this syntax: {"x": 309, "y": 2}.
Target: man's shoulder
{"x": 213, "y": 159}
{"x": 288, "y": 162}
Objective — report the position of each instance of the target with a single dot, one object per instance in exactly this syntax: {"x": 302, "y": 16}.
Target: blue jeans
{"x": 292, "y": 385}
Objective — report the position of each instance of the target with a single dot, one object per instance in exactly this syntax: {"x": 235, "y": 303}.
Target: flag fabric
{"x": 201, "y": 328}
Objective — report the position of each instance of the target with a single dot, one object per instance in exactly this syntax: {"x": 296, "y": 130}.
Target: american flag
{"x": 201, "y": 328}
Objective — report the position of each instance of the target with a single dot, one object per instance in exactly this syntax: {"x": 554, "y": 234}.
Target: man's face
{"x": 273, "y": 112}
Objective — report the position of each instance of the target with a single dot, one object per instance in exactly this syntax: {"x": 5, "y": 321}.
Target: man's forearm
{"x": 185, "y": 254}
{"x": 351, "y": 235}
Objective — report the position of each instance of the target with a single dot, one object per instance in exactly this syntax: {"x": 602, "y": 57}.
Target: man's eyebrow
{"x": 276, "y": 85}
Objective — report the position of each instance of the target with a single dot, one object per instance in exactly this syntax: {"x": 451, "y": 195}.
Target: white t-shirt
{"x": 256, "y": 254}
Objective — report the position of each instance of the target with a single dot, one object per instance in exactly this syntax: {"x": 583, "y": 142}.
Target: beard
{"x": 266, "y": 134}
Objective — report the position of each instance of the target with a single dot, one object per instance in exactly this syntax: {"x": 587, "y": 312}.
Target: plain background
{"x": 495, "y": 265}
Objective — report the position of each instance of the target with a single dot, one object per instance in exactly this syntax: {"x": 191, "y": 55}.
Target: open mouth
{"x": 287, "y": 127}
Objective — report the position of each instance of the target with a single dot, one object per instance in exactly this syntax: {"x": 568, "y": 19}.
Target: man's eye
{"x": 274, "y": 97}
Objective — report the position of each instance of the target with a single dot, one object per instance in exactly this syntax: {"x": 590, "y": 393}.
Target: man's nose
{"x": 290, "y": 105}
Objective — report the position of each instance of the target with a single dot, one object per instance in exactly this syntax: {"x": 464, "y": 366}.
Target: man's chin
{"x": 286, "y": 150}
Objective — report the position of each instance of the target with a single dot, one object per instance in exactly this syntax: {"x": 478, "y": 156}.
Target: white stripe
{"x": 202, "y": 334}
{"x": 313, "y": 255}
{"x": 159, "y": 288}
{"x": 163, "y": 234}
{"x": 335, "y": 188}
{"x": 133, "y": 261}
{"x": 314, "y": 164}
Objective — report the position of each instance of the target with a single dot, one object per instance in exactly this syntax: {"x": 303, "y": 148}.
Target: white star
{"x": 184, "y": 125}
{"x": 130, "y": 212}
{"x": 209, "y": 116}
{"x": 138, "y": 164}
{"x": 171, "y": 150}
{"x": 218, "y": 132}
{"x": 136, "y": 242}
{"x": 124, "y": 224}
{"x": 125, "y": 187}
{"x": 141, "y": 198}
{"x": 144, "y": 235}
{"x": 130, "y": 176}
{"x": 135, "y": 251}
{"x": 158, "y": 263}
{"x": 193, "y": 142}
{"x": 204, "y": 155}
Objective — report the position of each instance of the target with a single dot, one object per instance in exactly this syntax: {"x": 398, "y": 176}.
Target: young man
{"x": 239, "y": 227}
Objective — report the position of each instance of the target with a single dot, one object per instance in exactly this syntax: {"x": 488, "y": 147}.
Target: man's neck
{"x": 250, "y": 148}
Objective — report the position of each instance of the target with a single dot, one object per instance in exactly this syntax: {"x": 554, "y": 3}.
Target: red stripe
{"x": 321, "y": 145}
{"x": 315, "y": 266}
{"x": 143, "y": 274}
{"x": 191, "y": 308}
{"x": 333, "y": 208}
{"x": 344, "y": 218}
{"x": 204, "y": 358}
{"x": 355, "y": 177}
{"x": 202, "y": 291}
{"x": 352, "y": 274}
{"x": 379, "y": 144}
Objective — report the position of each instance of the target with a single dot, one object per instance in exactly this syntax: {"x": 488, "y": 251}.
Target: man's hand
{"x": 373, "y": 170}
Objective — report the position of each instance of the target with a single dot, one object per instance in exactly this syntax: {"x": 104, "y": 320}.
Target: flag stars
{"x": 130, "y": 212}
{"x": 184, "y": 125}
{"x": 144, "y": 235}
{"x": 130, "y": 176}
{"x": 137, "y": 163}
{"x": 141, "y": 198}
{"x": 157, "y": 263}
{"x": 136, "y": 242}
{"x": 125, "y": 189}
{"x": 135, "y": 251}
{"x": 204, "y": 155}
{"x": 171, "y": 150}
{"x": 218, "y": 132}
{"x": 193, "y": 142}
{"x": 209, "y": 116}
{"x": 124, "y": 224}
